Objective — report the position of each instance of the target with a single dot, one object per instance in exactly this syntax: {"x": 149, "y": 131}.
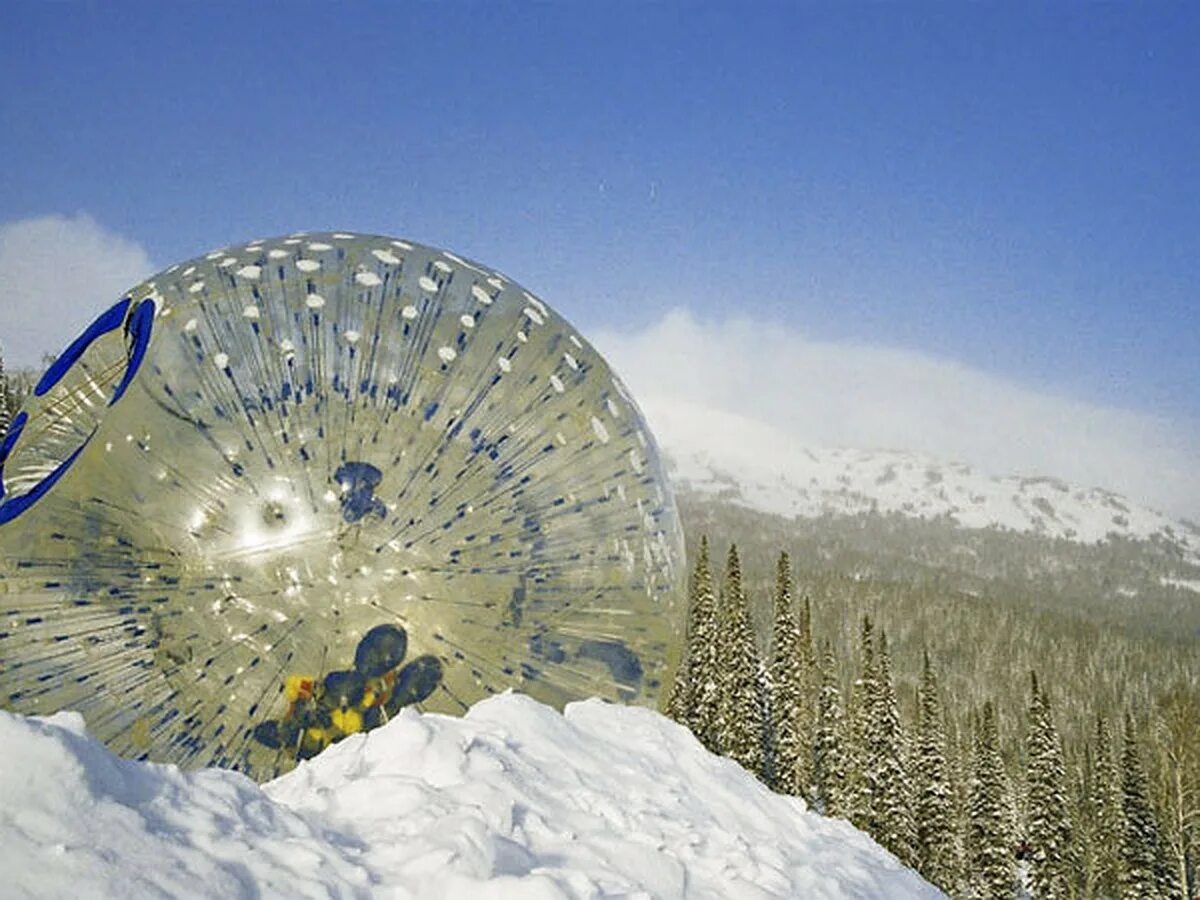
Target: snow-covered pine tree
{"x": 680, "y": 696}
{"x": 807, "y": 650}
{"x": 1107, "y": 818}
{"x": 1140, "y": 839}
{"x": 860, "y": 799}
{"x": 1168, "y": 887}
{"x": 894, "y": 827}
{"x": 703, "y": 688}
{"x": 959, "y": 758}
{"x": 1048, "y": 831}
{"x": 680, "y": 699}
{"x": 992, "y": 873}
{"x": 1081, "y": 774}
{"x": 937, "y": 845}
{"x": 789, "y": 764}
{"x": 1177, "y": 757}
{"x": 829, "y": 742}
{"x": 808, "y": 706}
{"x": 741, "y": 674}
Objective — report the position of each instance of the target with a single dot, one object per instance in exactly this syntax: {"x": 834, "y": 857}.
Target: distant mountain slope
{"x": 1038, "y": 542}
{"x": 804, "y": 482}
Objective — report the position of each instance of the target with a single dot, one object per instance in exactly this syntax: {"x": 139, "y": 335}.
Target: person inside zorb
{"x": 323, "y": 710}
{"x": 278, "y": 493}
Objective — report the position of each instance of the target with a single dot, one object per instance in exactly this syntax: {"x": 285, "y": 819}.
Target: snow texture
{"x": 512, "y": 801}
{"x": 775, "y": 476}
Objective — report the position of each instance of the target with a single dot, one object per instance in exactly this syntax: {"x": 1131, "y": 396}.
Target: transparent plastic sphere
{"x": 280, "y": 492}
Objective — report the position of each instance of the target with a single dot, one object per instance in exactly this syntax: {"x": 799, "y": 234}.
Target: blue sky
{"x": 1014, "y": 188}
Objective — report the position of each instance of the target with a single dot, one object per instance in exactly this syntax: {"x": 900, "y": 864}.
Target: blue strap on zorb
{"x": 139, "y": 326}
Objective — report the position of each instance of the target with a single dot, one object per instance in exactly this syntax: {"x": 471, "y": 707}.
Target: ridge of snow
{"x": 514, "y": 801}
{"x": 775, "y": 476}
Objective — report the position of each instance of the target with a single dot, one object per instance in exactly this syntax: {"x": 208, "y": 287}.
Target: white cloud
{"x": 56, "y": 274}
{"x": 783, "y": 387}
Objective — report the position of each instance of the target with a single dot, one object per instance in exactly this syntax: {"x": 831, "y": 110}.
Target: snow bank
{"x": 514, "y": 800}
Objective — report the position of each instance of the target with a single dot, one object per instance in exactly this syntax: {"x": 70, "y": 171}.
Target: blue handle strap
{"x": 139, "y": 328}
{"x": 141, "y": 323}
{"x": 105, "y": 322}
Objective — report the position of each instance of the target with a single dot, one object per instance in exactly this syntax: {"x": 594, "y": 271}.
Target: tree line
{"x": 14, "y": 388}
{"x": 6, "y": 413}
{"x": 1118, "y": 817}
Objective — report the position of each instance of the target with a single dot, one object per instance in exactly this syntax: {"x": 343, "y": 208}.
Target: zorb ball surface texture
{"x": 279, "y": 493}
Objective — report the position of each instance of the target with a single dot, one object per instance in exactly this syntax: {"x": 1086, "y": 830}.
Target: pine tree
{"x": 860, "y": 800}
{"x": 989, "y": 838}
{"x": 937, "y": 847}
{"x": 1140, "y": 839}
{"x": 1107, "y": 823}
{"x": 808, "y": 652}
{"x": 740, "y": 711}
{"x": 811, "y": 680}
{"x": 1177, "y": 757}
{"x": 702, "y": 686}
{"x": 1048, "y": 830}
{"x": 790, "y": 761}
{"x": 829, "y": 765}
{"x": 892, "y": 814}
{"x": 680, "y": 699}
{"x": 1083, "y": 814}
{"x": 959, "y": 743}
{"x": 680, "y": 696}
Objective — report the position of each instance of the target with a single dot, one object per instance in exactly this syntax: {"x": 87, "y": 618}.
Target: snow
{"x": 1188, "y": 584}
{"x": 514, "y": 800}
{"x": 775, "y": 476}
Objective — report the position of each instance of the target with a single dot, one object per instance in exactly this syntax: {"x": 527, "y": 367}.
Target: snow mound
{"x": 514, "y": 800}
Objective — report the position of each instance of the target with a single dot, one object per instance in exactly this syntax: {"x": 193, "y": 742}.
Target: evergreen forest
{"x": 15, "y": 386}
{"x": 998, "y": 753}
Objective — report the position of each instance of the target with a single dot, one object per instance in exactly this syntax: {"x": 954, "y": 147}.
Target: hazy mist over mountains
{"x": 751, "y": 395}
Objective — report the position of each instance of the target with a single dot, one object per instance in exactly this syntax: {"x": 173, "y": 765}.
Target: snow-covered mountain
{"x": 512, "y": 801}
{"x": 763, "y": 471}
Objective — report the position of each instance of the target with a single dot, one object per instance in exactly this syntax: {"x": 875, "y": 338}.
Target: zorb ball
{"x": 281, "y": 492}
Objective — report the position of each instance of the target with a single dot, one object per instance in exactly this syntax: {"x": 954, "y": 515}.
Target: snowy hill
{"x": 512, "y": 801}
{"x": 774, "y": 476}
